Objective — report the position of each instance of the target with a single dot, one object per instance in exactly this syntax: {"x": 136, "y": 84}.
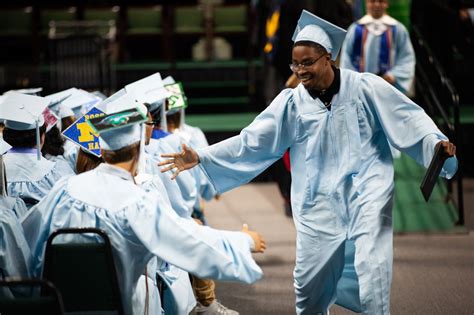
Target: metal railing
{"x": 440, "y": 97}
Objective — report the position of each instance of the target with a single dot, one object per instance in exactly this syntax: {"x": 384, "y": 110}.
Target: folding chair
{"x": 84, "y": 272}
{"x": 30, "y": 301}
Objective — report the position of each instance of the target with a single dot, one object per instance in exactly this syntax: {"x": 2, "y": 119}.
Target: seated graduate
{"x": 29, "y": 175}
{"x": 15, "y": 253}
{"x": 150, "y": 91}
{"x": 16, "y": 204}
{"x": 140, "y": 224}
{"x": 179, "y": 296}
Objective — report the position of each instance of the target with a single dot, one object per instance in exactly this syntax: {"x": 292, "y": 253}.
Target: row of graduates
{"x": 119, "y": 189}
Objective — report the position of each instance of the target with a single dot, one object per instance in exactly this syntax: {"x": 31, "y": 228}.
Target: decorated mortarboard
{"x": 24, "y": 112}
{"x": 4, "y": 146}
{"x": 177, "y": 100}
{"x": 81, "y": 133}
{"x": 120, "y": 126}
{"x": 149, "y": 90}
{"x": 314, "y": 29}
{"x": 169, "y": 80}
{"x": 50, "y": 118}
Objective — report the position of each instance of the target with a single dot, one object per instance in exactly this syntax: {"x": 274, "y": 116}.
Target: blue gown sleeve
{"x": 15, "y": 257}
{"x": 407, "y": 127}
{"x": 403, "y": 69}
{"x": 237, "y": 160}
{"x": 200, "y": 250}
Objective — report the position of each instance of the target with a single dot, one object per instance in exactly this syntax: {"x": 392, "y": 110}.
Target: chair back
{"x": 84, "y": 272}
{"x": 26, "y": 297}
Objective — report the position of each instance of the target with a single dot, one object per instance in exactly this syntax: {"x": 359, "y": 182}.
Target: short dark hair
{"x": 174, "y": 119}
{"x": 122, "y": 155}
{"x": 22, "y": 138}
{"x": 53, "y": 142}
{"x": 319, "y": 49}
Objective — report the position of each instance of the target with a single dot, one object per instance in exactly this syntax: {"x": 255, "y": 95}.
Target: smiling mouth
{"x": 305, "y": 79}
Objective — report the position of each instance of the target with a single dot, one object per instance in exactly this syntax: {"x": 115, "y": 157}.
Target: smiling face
{"x": 312, "y": 66}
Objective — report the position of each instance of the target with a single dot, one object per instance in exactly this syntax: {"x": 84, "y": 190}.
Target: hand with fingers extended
{"x": 449, "y": 148}
{"x": 178, "y": 162}
{"x": 259, "y": 242}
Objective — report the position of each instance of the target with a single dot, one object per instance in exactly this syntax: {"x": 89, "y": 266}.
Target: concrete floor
{"x": 433, "y": 274}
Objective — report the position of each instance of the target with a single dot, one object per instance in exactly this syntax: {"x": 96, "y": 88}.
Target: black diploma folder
{"x": 433, "y": 171}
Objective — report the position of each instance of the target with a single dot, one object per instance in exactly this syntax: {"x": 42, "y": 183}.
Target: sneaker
{"x": 215, "y": 308}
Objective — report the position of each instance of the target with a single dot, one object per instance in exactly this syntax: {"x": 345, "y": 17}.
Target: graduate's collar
{"x": 385, "y": 19}
{"x": 377, "y": 26}
{"x": 116, "y": 171}
{"x": 325, "y": 96}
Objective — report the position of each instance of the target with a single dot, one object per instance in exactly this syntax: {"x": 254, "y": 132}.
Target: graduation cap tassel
{"x": 181, "y": 123}
{"x": 164, "y": 123}
{"x": 38, "y": 142}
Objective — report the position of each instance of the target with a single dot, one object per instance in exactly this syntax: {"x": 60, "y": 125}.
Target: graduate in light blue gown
{"x": 16, "y": 204}
{"x": 379, "y": 44}
{"x": 15, "y": 255}
{"x": 29, "y": 175}
{"x": 337, "y": 124}
{"x": 140, "y": 224}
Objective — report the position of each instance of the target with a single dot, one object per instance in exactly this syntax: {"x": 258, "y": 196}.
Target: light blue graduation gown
{"x": 186, "y": 183}
{"x": 343, "y": 181}
{"x": 194, "y": 136}
{"x": 203, "y": 186}
{"x": 15, "y": 256}
{"x": 29, "y": 177}
{"x": 177, "y": 280}
{"x": 15, "y": 204}
{"x": 196, "y": 139}
{"x": 402, "y": 55}
{"x": 140, "y": 225}
{"x": 71, "y": 157}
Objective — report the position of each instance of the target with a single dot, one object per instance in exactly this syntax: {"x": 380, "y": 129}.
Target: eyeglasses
{"x": 151, "y": 124}
{"x": 304, "y": 65}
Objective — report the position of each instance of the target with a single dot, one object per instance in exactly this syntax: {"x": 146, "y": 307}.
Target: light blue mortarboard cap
{"x": 122, "y": 135}
{"x": 149, "y": 90}
{"x": 314, "y": 29}
{"x": 22, "y": 111}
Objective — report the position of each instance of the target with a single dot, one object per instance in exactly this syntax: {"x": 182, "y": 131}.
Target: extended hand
{"x": 178, "y": 162}
{"x": 258, "y": 240}
{"x": 449, "y": 148}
